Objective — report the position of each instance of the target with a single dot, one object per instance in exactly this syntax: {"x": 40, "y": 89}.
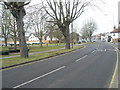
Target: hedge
{"x": 4, "y": 52}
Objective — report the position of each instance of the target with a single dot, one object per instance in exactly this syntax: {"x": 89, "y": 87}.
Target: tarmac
{"x": 115, "y": 83}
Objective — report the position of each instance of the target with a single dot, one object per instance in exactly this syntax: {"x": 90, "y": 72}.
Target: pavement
{"x": 38, "y": 52}
{"x": 90, "y": 67}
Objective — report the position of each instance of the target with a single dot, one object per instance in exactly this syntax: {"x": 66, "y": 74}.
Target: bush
{"x": 12, "y": 51}
{"x": 79, "y": 42}
{"x": 4, "y": 52}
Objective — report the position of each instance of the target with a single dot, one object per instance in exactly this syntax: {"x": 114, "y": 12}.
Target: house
{"x": 99, "y": 36}
{"x": 32, "y": 37}
{"x": 47, "y": 39}
{"x": 115, "y": 34}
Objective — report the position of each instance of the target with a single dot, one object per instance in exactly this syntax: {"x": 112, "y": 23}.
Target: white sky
{"x": 105, "y": 19}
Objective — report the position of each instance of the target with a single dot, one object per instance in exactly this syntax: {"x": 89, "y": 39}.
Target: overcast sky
{"x": 105, "y": 18}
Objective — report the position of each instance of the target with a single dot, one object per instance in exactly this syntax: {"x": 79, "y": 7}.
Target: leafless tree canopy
{"x": 88, "y": 29}
{"x": 64, "y": 12}
{"x": 15, "y": 7}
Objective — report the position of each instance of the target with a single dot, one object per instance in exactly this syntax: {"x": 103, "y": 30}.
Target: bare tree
{"x": 38, "y": 22}
{"x": 53, "y": 31}
{"x": 65, "y": 12}
{"x": 28, "y": 18}
{"x": 13, "y": 31}
{"x": 5, "y": 24}
{"x": 88, "y": 29}
{"x": 50, "y": 30}
{"x": 58, "y": 34}
{"x": 18, "y": 11}
{"x": 74, "y": 36}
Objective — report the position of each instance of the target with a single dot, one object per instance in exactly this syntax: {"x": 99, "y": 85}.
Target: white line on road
{"x": 39, "y": 77}
{"x": 93, "y": 51}
{"x": 81, "y": 58}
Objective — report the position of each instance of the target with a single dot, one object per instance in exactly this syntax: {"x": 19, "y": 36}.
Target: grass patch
{"x": 4, "y": 48}
{"x": 40, "y": 49}
{"x": 35, "y": 48}
{"x": 17, "y": 60}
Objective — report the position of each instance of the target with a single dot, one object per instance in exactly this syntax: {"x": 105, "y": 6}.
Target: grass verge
{"x": 35, "y": 49}
{"x": 17, "y": 60}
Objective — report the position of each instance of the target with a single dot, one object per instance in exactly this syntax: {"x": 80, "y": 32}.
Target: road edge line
{"x": 116, "y": 67}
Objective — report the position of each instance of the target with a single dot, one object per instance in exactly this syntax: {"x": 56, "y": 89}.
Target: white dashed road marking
{"x": 81, "y": 58}
{"x": 39, "y": 77}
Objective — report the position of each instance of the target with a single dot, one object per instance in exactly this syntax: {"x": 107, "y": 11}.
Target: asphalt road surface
{"x": 90, "y": 67}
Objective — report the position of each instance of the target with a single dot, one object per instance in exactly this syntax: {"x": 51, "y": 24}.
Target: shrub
{"x": 79, "y": 42}
{"x": 12, "y": 51}
{"x": 4, "y": 52}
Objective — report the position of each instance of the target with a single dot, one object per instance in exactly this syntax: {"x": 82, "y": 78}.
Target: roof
{"x": 116, "y": 31}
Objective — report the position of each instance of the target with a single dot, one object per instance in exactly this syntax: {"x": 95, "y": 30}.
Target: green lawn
{"x": 17, "y": 60}
{"x": 35, "y": 48}
{"x": 3, "y": 48}
{"x": 44, "y": 48}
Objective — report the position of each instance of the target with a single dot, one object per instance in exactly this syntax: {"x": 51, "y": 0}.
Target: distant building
{"x": 115, "y": 34}
{"x": 99, "y": 36}
{"x": 102, "y": 36}
{"x": 32, "y": 37}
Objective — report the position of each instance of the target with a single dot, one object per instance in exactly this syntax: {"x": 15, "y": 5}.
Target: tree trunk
{"x": 5, "y": 42}
{"x": 72, "y": 42}
{"x": 15, "y": 45}
{"x": 67, "y": 37}
{"x": 21, "y": 35}
{"x": 60, "y": 41}
{"x": 40, "y": 42}
{"x": 51, "y": 38}
{"x": 15, "y": 37}
{"x": 90, "y": 39}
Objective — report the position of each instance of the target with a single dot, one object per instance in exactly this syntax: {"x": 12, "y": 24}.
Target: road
{"x": 90, "y": 67}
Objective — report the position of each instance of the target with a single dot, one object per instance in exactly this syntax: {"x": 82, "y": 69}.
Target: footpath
{"x": 38, "y": 52}
{"x": 115, "y": 83}
{"x": 33, "y": 53}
